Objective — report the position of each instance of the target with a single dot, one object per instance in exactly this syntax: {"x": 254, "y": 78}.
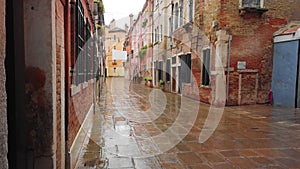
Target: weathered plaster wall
{"x": 3, "y": 110}
{"x": 40, "y": 81}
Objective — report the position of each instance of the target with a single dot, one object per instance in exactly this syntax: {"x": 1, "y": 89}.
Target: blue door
{"x": 285, "y": 74}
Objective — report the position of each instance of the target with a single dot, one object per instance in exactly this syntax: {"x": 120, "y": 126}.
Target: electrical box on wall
{"x": 241, "y": 65}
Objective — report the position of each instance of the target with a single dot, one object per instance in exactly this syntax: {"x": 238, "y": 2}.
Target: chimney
{"x": 131, "y": 21}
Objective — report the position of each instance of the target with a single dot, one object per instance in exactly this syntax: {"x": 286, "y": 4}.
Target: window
{"x": 161, "y": 35}
{"x": 115, "y": 37}
{"x": 170, "y": 27}
{"x": 252, "y": 3}
{"x": 156, "y": 3}
{"x": 160, "y": 70}
{"x": 157, "y": 34}
{"x": 114, "y": 62}
{"x": 206, "y": 67}
{"x": 88, "y": 46}
{"x": 174, "y": 60}
{"x": 168, "y": 70}
{"x": 96, "y": 65}
{"x": 80, "y": 40}
{"x": 181, "y": 12}
{"x": 176, "y": 16}
{"x": 191, "y": 10}
{"x": 186, "y": 68}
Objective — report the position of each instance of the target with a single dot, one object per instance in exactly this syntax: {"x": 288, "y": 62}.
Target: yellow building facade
{"x": 114, "y": 41}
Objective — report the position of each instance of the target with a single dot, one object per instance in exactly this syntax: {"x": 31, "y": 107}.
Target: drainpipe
{"x": 152, "y": 39}
{"x": 228, "y": 66}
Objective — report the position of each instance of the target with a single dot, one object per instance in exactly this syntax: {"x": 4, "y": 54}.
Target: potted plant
{"x": 148, "y": 81}
{"x": 161, "y": 84}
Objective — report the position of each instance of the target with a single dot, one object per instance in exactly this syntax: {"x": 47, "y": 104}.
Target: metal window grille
{"x": 89, "y": 60}
{"x": 79, "y": 69}
{"x": 96, "y": 64}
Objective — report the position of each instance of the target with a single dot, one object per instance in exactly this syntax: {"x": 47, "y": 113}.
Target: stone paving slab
{"x": 138, "y": 127}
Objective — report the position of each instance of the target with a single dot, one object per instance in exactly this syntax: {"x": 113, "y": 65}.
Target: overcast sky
{"x": 117, "y": 9}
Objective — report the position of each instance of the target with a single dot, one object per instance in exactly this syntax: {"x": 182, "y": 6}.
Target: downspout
{"x": 152, "y": 39}
{"x": 228, "y": 67}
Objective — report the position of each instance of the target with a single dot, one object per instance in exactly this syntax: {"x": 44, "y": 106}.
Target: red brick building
{"x": 246, "y": 55}
{"x": 52, "y": 62}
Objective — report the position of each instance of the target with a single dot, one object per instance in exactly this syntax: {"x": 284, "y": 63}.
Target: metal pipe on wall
{"x": 228, "y": 66}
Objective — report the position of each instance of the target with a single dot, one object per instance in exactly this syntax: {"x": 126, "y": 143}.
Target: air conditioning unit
{"x": 252, "y": 6}
{"x": 252, "y": 3}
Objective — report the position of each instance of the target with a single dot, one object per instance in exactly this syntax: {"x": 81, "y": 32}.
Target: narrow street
{"x": 135, "y": 126}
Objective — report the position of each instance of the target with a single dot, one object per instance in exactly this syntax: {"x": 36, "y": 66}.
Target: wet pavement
{"x": 135, "y": 126}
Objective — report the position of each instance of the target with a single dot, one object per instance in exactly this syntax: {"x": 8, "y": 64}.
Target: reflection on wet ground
{"x": 140, "y": 127}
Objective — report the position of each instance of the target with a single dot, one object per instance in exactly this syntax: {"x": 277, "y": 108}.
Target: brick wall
{"x": 251, "y": 42}
{"x": 78, "y": 104}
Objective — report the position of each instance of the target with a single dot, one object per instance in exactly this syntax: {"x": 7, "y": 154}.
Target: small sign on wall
{"x": 241, "y": 65}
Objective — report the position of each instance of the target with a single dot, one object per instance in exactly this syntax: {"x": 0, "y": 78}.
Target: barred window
{"x": 89, "y": 60}
{"x": 79, "y": 68}
{"x": 96, "y": 68}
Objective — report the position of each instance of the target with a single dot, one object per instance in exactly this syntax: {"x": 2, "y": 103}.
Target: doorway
{"x": 173, "y": 79}
{"x": 19, "y": 156}
{"x": 285, "y": 79}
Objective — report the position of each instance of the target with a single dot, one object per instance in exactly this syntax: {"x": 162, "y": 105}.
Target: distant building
{"x": 114, "y": 39}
